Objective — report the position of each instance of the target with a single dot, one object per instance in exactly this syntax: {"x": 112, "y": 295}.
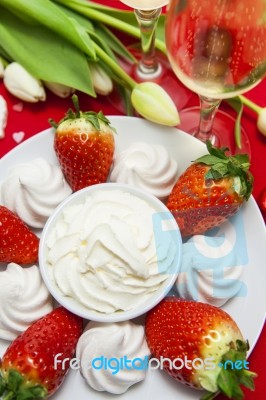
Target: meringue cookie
{"x": 210, "y": 271}
{"x": 23, "y": 298}
{"x": 146, "y": 166}
{"x": 33, "y": 190}
{"x": 106, "y": 341}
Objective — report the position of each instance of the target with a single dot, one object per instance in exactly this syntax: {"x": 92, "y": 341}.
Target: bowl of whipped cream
{"x": 110, "y": 252}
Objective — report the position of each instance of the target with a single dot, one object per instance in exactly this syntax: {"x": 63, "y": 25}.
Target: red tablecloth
{"x": 34, "y": 118}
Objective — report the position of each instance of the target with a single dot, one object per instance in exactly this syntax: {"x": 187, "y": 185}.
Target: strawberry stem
{"x": 91, "y": 117}
{"x": 75, "y": 102}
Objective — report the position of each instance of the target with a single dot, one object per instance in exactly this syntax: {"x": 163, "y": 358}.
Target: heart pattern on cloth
{"x": 18, "y": 107}
{"x": 18, "y": 136}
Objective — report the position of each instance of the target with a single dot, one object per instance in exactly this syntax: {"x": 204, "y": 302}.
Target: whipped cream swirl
{"x": 102, "y": 252}
{"x": 23, "y": 299}
{"x": 33, "y": 190}
{"x": 210, "y": 271}
{"x": 147, "y": 166}
{"x": 102, "y": 342}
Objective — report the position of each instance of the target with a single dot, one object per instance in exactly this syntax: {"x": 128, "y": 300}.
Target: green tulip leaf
{"x": 125, "y": 21}
{"x": 48, "y": 14}
{"x": 55, "y": 60}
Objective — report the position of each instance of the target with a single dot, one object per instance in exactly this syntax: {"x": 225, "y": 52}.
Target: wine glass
{"x": 153, "y": 66}
{"x": 218, "y": 50}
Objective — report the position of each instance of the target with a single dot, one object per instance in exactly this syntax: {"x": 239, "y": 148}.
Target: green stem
{"x": 115, "y": 67}
{"x": 89, "y": 11}
{"x": 250, "y": 104}
{"x": 4, "y": 57}
{"x": 4, "y": 61}
{"x": 75, "y": 102}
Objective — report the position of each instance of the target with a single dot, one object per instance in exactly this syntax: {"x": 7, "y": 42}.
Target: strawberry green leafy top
{"x": 230, "y": 379}
{"x": 90, "y": 116}
{"x": 223, "y": 166}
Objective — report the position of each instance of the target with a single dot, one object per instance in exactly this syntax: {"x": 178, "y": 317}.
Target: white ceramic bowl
{"x": 169, "y": 231}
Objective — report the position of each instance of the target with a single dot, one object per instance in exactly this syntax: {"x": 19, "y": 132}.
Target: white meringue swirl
{"x": 23, "y": 299}
{"x": 106, "y": 341}
{"x": 147, "y": 166}
{"x": 210, "y": 271}
{"x": 33, "y": 190}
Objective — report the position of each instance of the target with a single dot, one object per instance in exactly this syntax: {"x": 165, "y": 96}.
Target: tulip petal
{"x": 153, "y": 103}
{"x": 261, "y": 122}
{"x": 3, "y": 116}
{"x": 102, "y": 83}
{"x": 19, "y": 82}
{"x": 59, "y": 89}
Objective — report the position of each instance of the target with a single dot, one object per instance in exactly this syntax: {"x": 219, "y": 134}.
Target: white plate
{"x": 248, "y": 311}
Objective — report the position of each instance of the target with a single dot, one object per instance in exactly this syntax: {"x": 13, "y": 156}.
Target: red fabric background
{"x": 34, "y": 118}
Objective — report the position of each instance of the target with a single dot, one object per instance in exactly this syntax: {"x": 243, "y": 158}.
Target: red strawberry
{"x": 262, "y": 202}
{"x": 197, "y": 335}
{"x": 84, "y": 145}
{"x": 28, "y": 365}
{"x": 210, "y": 191}
{"x": 17, "y": 243}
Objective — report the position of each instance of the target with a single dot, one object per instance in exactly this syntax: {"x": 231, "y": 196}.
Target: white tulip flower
{"x": 59, "y": 89}
{"x": 261, "y": 122}
{"x": 19, "y": 82}
{"x": 3, "y": 116}
{"x": 102, "y": 82}
{"x": 153, "y": 103}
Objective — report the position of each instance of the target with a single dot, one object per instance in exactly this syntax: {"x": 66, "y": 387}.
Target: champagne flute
{"x": 218, "y": 50}
{"x": 153, "y": 66}
{"x": 147, "y": 13}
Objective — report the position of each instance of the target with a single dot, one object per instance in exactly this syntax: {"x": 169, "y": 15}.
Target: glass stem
{"x": 148, "y": 66}
{"x": 208, "y": 108}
